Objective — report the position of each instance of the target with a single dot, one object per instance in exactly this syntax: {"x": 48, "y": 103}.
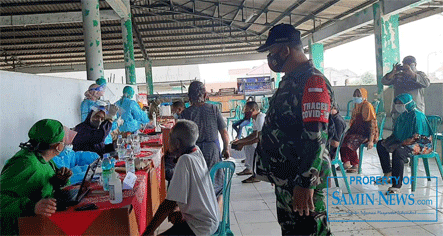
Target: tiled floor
{"x": 253, "y": 209}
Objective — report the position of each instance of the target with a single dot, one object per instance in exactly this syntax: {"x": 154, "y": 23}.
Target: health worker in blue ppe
{"x": 93, "y": 94}
{"x": 132, "y": 115}
{"x": 77, "y": 162}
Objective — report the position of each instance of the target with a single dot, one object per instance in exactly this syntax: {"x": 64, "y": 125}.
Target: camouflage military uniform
{"x": 292, "y": 152}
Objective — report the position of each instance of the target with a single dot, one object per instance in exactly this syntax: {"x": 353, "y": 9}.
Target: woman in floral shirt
{"x": 412, "y": 135}
{"x": 362, "y": 129}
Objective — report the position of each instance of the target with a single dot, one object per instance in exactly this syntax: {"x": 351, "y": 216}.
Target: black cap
{"x": 282, "y": 33}
{"x": 409, "y": 60}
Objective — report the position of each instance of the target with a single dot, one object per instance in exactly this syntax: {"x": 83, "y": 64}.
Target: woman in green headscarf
{"x": 412, "y": 135}
{"x": 30, "y": 177}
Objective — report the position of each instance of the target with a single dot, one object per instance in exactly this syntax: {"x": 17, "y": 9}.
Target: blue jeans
{"x": 238, "y": 126}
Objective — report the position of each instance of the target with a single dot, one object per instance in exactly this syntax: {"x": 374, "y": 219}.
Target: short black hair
{"x": 252, "y": 105}
{"x": 178, "y": 104}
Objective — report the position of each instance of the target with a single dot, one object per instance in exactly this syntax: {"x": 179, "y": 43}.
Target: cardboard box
{"x": 120, "y": 221}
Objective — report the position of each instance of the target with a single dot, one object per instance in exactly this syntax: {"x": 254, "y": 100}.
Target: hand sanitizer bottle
{"x": 115, "y": 189}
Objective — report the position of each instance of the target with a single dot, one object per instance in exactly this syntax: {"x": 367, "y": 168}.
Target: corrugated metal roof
{"x": 178, "y": 29}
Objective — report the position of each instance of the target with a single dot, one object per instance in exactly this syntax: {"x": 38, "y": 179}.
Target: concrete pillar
{"x": 128, "y": 46}
{"x": 387, "y": 46}
{"x": 148, "y": 72}
{"x": 93, "y": 41}
{"x": 316, "y": 54}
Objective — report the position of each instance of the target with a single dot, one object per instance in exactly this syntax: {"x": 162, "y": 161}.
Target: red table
{"x": 128, "y": 217}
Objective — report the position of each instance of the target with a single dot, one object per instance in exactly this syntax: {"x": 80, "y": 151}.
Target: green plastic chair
{"x": 434, "y": 122}
{"x": 187, "y": 105}
{"x": 348, "y": 111}
{"x": 376, "y": 105}
{"x": 224, "y": 227}
{"x": 265, "y": 104}
{"x": 338, "y": 162}
{"x": 381, "y": 119}
{"x": 236, "y": 116}
{"x": 218, "y": 104}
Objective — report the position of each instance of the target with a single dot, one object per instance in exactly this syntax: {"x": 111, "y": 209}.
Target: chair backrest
{"x": 228, "y": 168}
{"x": 232, "y": 104}
{"x": 348, "y": 107}
{"x": 340, "y": 143}
{"x": 265, "y": 103}
{"x": 381, "y": 119}
{"x": 376, "y": 105}
{"x": 187, "y": 105}
{"x": 218, "y": 104}
{"x": 434, "y": 122}
{"x": 238, "y": 112}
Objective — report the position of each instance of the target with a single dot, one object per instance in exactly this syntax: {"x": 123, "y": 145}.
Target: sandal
{"x": 392, "y": 190}
{"x": 245, "y": 172}
{"x": 251, "y": 179}
{"x": 353, "y": 169}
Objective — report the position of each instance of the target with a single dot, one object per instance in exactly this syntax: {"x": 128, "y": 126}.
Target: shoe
{"x": 353, "y": 169}
{"x": 243, "y": 161}
{"x": 251, "y": 179}
{"x": 392, "y": 190}
{"x": 346, "y": 167}
{"x": 245, "y": 172}
{"x": 379, "y": 180}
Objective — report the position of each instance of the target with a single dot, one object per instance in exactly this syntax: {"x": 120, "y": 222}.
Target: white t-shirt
{"x": 191, "y": 187}
{"x": 257, "y": 124}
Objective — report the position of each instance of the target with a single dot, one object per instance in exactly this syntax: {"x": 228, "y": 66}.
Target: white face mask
{"x": 400, "y": 108}
{"x": 358, "y": 100}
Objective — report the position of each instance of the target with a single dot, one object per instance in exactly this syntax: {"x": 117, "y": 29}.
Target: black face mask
{"x": 275, "y": 62}
{"x": 95, "y": 123}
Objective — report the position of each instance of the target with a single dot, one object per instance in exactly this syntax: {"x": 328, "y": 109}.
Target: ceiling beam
{"x": 120, "y": 8}
{"x": 256, "y": 15}
{"x": 52, "y": 18}
{"x": 315, "y": 12}
{"x": 360, "y": 19}
{"x": 281, "y": 16}
{"x": 140, "y": 63}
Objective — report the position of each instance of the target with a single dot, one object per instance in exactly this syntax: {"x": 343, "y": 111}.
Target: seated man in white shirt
{"x": 250, "y": 142}
{"x": 190, "y": 188}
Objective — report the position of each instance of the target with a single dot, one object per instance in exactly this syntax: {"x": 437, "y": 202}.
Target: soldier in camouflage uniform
{"x": 292, "y": 151}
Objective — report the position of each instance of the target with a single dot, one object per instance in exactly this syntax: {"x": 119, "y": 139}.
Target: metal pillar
{"x": 387, "y": 46}
{"x": 93, "y": 42}
{"x": 148, "y": 72}
{"x": 128, "y": 46}
{"x": 316, "y": 54}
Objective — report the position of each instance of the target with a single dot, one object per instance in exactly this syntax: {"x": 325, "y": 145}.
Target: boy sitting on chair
{"x": 190, "y": 188}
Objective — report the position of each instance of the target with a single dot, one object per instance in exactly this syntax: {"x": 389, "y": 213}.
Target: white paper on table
{"x": 129, "y": 181}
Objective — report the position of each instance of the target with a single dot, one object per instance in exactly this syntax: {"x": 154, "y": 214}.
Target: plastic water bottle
{"x": 108, "y": 167}
{"x": 121, "y": 148}
{"x": 115, "y": 189}
{"x": 130, "y": 164}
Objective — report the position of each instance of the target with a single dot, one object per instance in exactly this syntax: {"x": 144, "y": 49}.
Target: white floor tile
{"x": 406, "y": 230}
{"x": 262, "y": 216}
{"x": 268, "y": 228}
{"x": 240, "y": 206}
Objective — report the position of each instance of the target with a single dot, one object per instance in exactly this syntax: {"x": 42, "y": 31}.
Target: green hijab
{"x": 412, "y": 121}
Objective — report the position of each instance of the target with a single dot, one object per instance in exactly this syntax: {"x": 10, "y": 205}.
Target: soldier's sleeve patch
{"x": 316, "y": 102}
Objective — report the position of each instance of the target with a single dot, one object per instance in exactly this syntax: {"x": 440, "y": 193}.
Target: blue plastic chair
{"x": 348, "y": 111}
{"x": 434, "y": 122}
{"x": 381, "y": 118}
{"x": 224, "y": 227}
{"x": 338, "y": 162}
{"x": 235, "y": 117}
